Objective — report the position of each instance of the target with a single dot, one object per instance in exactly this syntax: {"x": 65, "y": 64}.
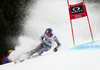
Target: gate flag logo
{"x": 77, "y": 11}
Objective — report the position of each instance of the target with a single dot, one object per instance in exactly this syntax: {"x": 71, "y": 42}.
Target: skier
{"x": 5, "y": 59}
{"x": 48, "y": 39}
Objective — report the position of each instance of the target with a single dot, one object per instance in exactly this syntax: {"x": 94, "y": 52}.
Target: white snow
{"x": 66, "y": 59}
{"x": 54, "y": 14}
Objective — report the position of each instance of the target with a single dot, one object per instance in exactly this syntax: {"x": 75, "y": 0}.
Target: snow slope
{"x": 54, "y": 14}
{"x": 81, "y": 57}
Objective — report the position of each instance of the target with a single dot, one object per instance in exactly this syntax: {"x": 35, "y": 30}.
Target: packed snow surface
{"x": 79, "y": 57}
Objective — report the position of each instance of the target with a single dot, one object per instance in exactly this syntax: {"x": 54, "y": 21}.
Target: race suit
{"x": 46, "y": 44}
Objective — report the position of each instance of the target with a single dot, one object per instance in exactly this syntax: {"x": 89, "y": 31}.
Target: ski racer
{"x": 5, "y": 59}
{"x": 48, "y": 39}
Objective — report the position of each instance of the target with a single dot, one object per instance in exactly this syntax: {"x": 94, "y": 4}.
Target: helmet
{"x": 10, "y": 51}
{"x": 48, "y": 32}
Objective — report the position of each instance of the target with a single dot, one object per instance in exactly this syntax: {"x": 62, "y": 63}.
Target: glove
{"x": 55, "y": 49}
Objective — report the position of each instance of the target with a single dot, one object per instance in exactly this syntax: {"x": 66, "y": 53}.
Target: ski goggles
{"x": 48, "y": 34}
